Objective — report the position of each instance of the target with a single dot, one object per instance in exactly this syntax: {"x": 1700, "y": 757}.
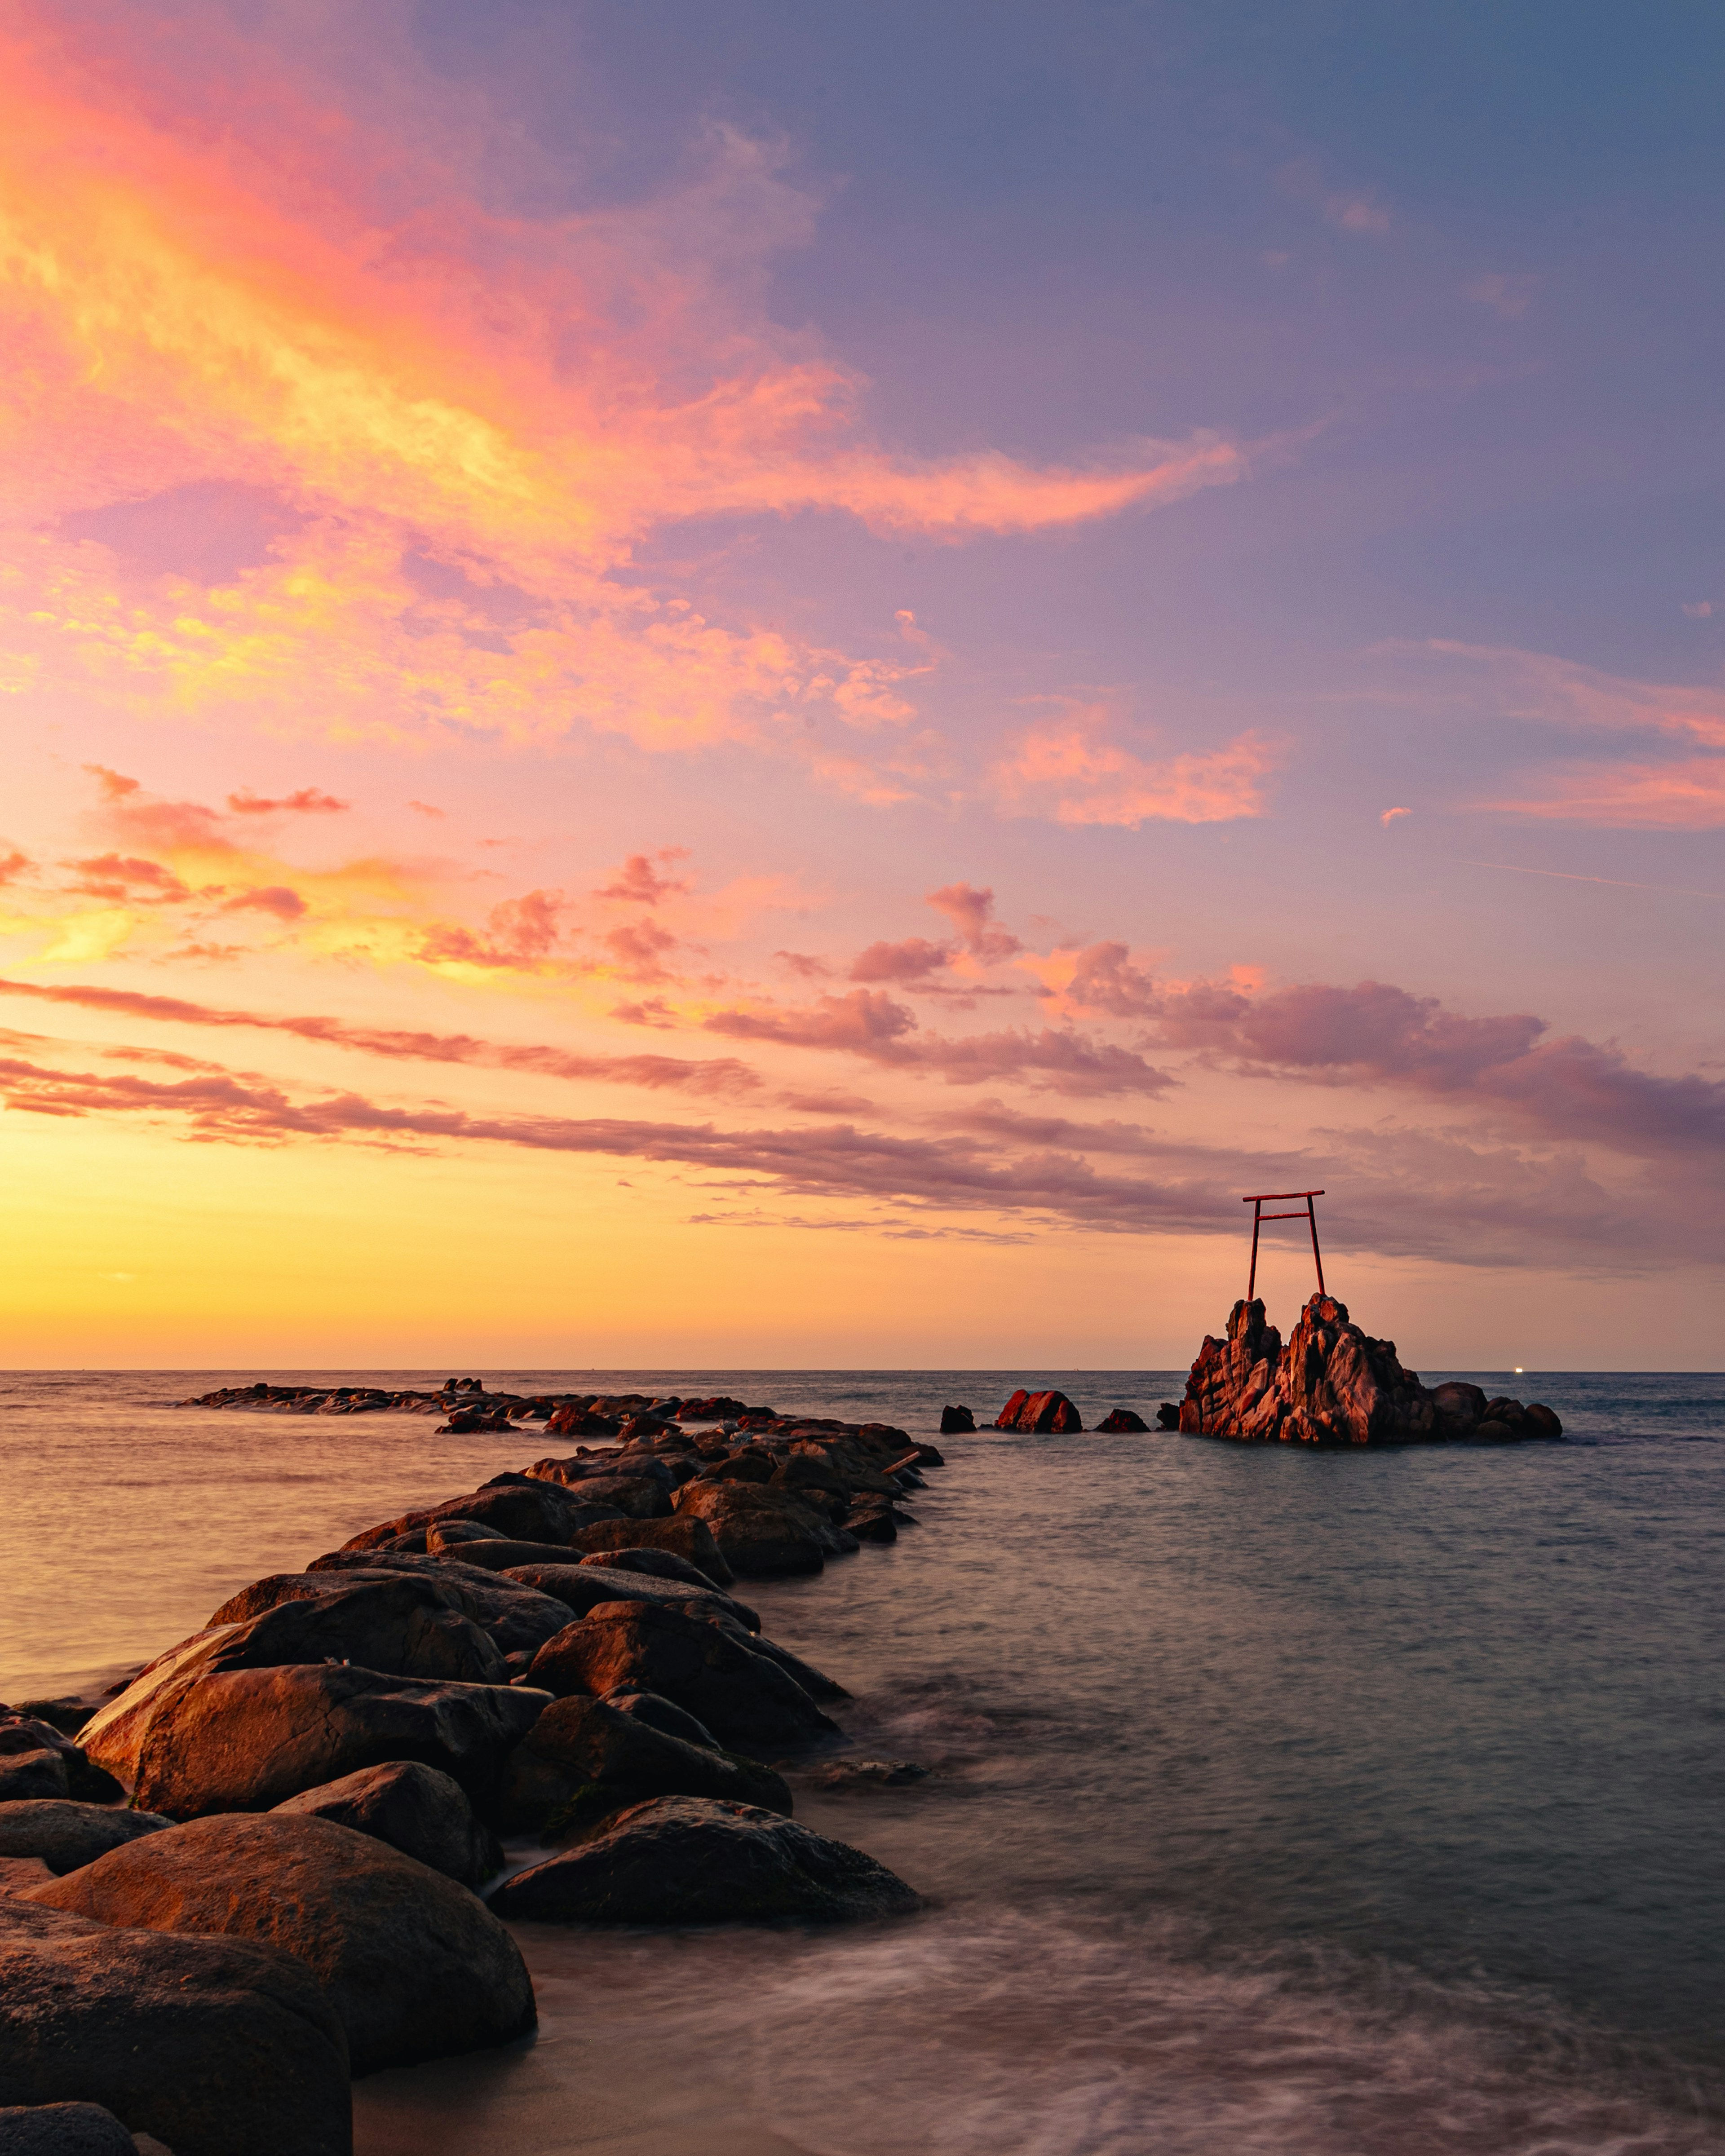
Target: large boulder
{"x": 650, "y": 1564}
{"x": 397, "y": 1624}
{"x": 709, "y": 1671}
{"x": 1460, "y": 1408}
{"x": 63, "y": 2129}
{"x": 66, "y": 1835}
{"x": 955, "y": 1420}
{"x": 761, "y": 1531}
{"x": 696, "y": 1861}
{"x": 1122, "y": 1421}
{"x": 1040, "y": 1413}
{"x": 583, "y": 1758}
{"x": 525, "y": 1509}
{"x": 582, "y": 1587}
{"x": 416, "y": 1967}
{"x": 210, "y": 2045}
{"x": 514, "y": 1616}
{"x": 416, "y": 1809}
{"x": 682, "y": 1534}
{"x": 33, "y": 1776}
{"x": 244, "y": 1740}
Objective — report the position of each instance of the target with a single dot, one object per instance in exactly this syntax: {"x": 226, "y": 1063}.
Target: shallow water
{"x": 1289, "y": 1803}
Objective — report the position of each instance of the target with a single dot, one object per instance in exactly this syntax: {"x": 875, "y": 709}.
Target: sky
{"x": 777, "y": 686}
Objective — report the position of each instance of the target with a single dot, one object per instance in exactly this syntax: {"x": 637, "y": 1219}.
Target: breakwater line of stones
{"x": 276, "y": 1857}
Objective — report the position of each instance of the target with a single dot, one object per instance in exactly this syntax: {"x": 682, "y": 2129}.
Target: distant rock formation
{"x": 1333, "y": 1385}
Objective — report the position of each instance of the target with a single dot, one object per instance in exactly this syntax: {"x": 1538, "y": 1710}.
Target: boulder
{"x": 450, "y": 1534}
{"x": 1167, "y": 1415}
{"x": 697, "y": 1861}
{"x": 526, "y": 1511}
{"x": 659, "y": 1712}
{"x": 683, "y": 1535}
{"x": 573, "y": 1421}
{"x": 68, "y": 1835}
{"x": 416, "y": 1809}
{"x": 398, "y": 1625}
{"x": 63, "y": 2129}
{"x": 409, "y": 1624}
{"x": 1542, "y": 1421}
{"x": 747, "y": 1701}
{"x": 32, "y": 1775}
{"x": 415, "y": 1966}
{"x": 1123, "y": 1419}
{"x": 761, "y": 1531}
{"x": 210, "y": 2045}
{"x": 635, "y": 1497}
{"x": 956, "y": 1419}
{"x": 584, "y": 1586}
{"x": 652, "y": 1563}
{"x": 244, "y": 1740}
{"x": 718, "y": 1407}
{"x": 25, "y": 1737}
{"x": 514, "y": 1616}
{"x": 1460, "y": 1408}
{"x": 815, "y": 1682}
{"x": 1040, "y": 1413}
{"x": 583, "y": 1758}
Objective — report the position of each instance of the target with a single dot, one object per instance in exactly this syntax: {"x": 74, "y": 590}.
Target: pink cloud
{"x": 276, "y": 898}
{"x": 914, "y": 959}
{"x": 971, "y": 913}
{"x": 1070, "y": 770}
{"x": 637, "y": 881}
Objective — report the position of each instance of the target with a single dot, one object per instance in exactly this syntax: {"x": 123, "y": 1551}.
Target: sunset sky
{"x": 770, "y": 684}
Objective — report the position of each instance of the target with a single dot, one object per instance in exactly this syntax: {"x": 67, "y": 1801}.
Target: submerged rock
{"x": 691, "y": 1861}
{"x": 1123, "y": 1419}
{"x": 956, "y": 1419}
{"x": 415, "y": 1966}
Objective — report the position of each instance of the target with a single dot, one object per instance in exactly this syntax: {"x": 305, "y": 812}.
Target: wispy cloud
{"x": 1074, "y": 767}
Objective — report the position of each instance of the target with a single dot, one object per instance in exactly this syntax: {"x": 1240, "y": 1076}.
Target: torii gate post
{"x": 1259, "y": 1215}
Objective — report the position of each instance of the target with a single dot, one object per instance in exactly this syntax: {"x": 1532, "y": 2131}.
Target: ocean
{"x": 1281, "y": 1803}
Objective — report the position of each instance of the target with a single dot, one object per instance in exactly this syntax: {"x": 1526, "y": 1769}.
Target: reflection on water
{"x": 1285, "y": 1802}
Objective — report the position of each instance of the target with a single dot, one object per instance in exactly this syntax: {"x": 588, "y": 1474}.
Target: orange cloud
{"x": 468, "y": 420}
{"x": 1070, "y": 771}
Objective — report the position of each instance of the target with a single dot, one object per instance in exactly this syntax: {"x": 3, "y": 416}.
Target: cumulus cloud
{"x": 913, "y": 959}
{"x": 972, "y": 914}
{"x": 637, "y": 882}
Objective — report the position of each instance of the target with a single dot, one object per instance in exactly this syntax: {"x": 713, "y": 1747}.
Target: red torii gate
{"x": 1259, "y": 1215}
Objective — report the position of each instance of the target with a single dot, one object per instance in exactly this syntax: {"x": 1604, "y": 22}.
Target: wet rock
{"x": 579, "y": 1422}
{"x": 1119, "y": 1420}
{"x": 63, "y": 2129}
{"x": 694, "y": 1860}
{"x": 878, "y": 1525}
{"x": 1543, "y": 1421}
{"x": 245, "y": 1740}
{"x": 955, "y": 1419}
{"x": 211, "y": 2045}
{"x": 1040, "y": 1413}
{"x": 582, "y": 1587}
{"x": 416, "y": 1967}
{"x": 720, "y": 1407}
{"x": 583, "y": 1758}
{"x": 682, "y": 1534}
{"x": 415, "y": 1809}
{"x": 749, "y": 1465}
{"x": 449, "y": 1534}
{"x": 869, "y": 1775}
{"x": 68, "y": 1835}
{"x": 1167, "y": 1415}
{"x": 749, "y": 1702}
{"x": 761, "y": 1531}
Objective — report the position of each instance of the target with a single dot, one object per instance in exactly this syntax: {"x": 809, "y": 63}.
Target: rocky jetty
{"x": 308, "y": 1879}
{"x": 1333, "y": 1385}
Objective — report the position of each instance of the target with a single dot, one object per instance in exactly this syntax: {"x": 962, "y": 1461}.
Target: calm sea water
{"x": 1283, "y": 1803}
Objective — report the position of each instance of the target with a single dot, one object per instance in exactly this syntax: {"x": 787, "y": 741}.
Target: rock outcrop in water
{"x": 328, "y": 1762}
{"x": 1333, "y": 1385}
